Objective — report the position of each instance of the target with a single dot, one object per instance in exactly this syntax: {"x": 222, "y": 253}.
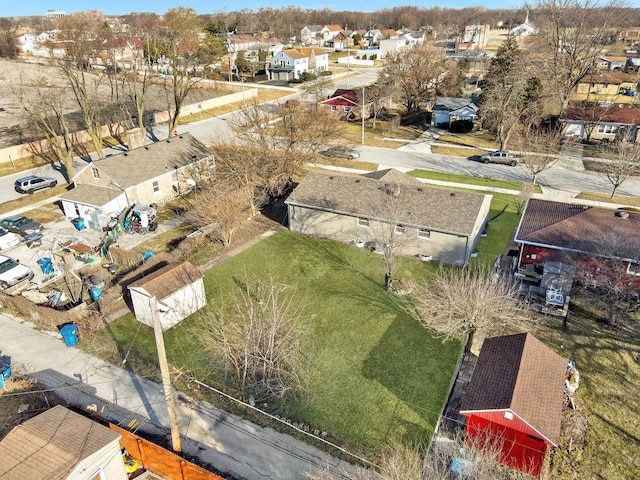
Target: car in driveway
{"x": 21, "y": 225}
{"x": 12, "y": 273}
{"x": 8, "y": 239}
{"x": 340, "y": 151}
{"x": 33, "y": 183}
{"x": 501, "y": 156}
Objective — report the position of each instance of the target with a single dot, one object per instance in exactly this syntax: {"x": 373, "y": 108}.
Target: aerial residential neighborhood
{"x": 294, "y": 243}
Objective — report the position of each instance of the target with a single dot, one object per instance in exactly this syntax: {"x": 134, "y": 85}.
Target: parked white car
{"x": 12, "y": 273}
{"x": 8, "y": 239}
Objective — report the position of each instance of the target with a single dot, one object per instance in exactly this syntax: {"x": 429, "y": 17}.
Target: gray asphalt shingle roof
{"x": 363, "y": 195}
{"x": 151, "y": 161}
{"x": 94, "y": 195}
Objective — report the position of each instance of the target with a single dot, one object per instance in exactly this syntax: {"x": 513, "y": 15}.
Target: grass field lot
{"x": 609, "y": 364}
{"x": 458, "y": 178}
{"x": 375, "y": 375}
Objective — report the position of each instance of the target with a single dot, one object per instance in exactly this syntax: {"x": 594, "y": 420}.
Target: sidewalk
{"x": 227, "y": 442}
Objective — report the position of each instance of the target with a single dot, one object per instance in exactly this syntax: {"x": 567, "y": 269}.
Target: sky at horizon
{"x": 20, "y": 8}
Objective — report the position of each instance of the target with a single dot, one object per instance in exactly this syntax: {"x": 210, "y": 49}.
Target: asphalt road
{"x": 212, "y": 130}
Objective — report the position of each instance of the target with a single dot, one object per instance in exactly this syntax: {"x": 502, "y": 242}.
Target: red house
{"x": 514, "y": 400}
{"x": 597, "y": 241}
{"x": 347, "y": 104}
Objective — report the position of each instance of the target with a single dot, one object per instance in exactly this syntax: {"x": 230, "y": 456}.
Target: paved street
{"x": 216, "y": 437}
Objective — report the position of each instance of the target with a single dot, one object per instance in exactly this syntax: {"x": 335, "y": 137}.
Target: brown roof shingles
{"x": 362, "y": 195}
{"x": 590, "y": 230}
{"x": 50, "y": 445}
{"x": 169, "y": 279}
{"x": 519, "y": 373}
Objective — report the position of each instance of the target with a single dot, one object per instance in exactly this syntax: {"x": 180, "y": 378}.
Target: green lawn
{"x": 458, "y": 178}
{"x": 375, "y": 377}
{"x": 608, "y": 362}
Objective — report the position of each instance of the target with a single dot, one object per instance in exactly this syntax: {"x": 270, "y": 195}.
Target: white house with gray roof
{"x": 153, "y": 173}
{"x": 437, "y": 224}
{"x": 449, "y": 109}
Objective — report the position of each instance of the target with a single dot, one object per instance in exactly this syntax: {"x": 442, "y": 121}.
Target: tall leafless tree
{"x": 624, "y": 164}
{"x": 415, "y": 74}
{"x": 572, "y": 33}
{"x": 458, "y": 303}
{"x": 180, "y": 35}
{"x": 258, "y": 338}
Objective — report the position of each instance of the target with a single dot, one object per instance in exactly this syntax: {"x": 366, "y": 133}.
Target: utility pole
{"x": 166, "y": 378}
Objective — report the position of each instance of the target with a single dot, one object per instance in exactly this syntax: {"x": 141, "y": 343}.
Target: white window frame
{"x": 333, "y": 108}
{"x": 362, "y": 222}
{"x": 424, "y": 234}
{"x": 633, "y": 269}
{"x": 156, "y": 186}
{"x": 399, "y": 229}
{"x": 607, "y": 129}
{"x": 96, "y": 173}
{"x": 347, "y": 109}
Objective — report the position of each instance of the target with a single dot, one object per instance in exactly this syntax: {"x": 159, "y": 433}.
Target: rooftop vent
{"x": 453, "y": 194}
{"x": 622, "y": 214}
{"x": 420, "y": 189}
{"x": 357, "y": 180}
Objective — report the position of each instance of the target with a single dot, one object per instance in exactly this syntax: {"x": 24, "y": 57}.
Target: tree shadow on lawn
{"x": 417, "y": 369}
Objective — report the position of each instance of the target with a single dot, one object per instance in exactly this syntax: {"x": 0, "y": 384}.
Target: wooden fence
{"x": 159, "y": 460}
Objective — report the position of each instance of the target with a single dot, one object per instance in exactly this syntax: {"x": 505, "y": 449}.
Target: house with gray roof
{"x": 153, "y": 173}
{"x": 433, "y": 223}
{"x": 449, "y": 109}
{"x": 61, "y": 444}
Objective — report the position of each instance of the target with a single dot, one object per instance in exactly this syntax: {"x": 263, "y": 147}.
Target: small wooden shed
{"x": 175, "y": 290}
{"x": 515, "y": 398}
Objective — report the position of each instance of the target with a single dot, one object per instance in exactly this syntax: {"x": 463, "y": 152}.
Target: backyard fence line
{"x": 283, "y": 422}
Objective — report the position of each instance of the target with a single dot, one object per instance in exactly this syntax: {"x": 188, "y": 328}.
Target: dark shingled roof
{"x": 363, "y": 195}
{"x": 169, "y": 279}
{"x": 590, "y": 230}
{"x": 151, "y": 161}
{"x": 520, "y": 373}
{"x": 50, "y": 445}
{"x": 625, "y": 115}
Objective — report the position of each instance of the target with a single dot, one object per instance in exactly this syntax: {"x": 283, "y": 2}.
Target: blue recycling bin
{"x": 79, "y": 223}
{"x": 69, "y": 334}
{"x": 5, "y": 373}
{"x": 95, "y": 293}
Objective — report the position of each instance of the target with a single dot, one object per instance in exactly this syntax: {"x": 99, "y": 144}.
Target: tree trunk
{"x": 470, "y": 337}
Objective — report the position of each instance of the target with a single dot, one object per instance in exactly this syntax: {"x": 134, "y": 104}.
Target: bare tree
{"x": 46, "y": 112}
{"x": 387, "y": 231}
{"x": 317, "y": 88}
{"x": 458, "y": 303}
{"x": 526, "y": 192}
{"x": 219, "y": 209}
{"x": 414, "y": 75}
{"x": 626, "y": 163}
{"x": 573, "y": 33}
{"x": 181, "y": 38}
{"x": 539, "y": 149}
{"x": 258, "y": 338}
{"x": 82, "y": 33}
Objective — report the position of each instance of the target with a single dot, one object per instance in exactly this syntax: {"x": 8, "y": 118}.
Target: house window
{"x": 399, "y": 229}
{"x": 96, "y": 173}
{"x": 156, "y": 186}
{"x": 347, "y": 109}
{"x": 333, "y": 108}
{"x": 607, "y": 129}
{"x": 424, "y": 234}
{"x": 633, "y": 269}
{"x": 363, "y": 222}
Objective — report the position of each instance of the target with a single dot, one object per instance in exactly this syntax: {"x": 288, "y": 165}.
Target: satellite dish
{"x": 191, "y": 182}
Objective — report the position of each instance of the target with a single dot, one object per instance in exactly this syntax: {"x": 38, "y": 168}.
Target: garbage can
{"x": 69, "y": 334}
{"x": 79, "y": 223}
{"x": 95, "y": 293}
{"x": 5, "y": 373}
